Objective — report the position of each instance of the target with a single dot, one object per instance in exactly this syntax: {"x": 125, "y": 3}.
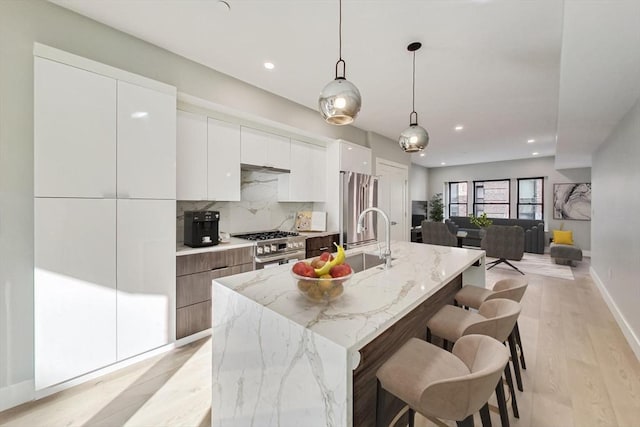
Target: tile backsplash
{"x": 258, "y": 209}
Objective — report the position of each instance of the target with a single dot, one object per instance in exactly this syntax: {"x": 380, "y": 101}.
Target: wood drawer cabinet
{"x": 193, "y": 285}
{"x": 316, "y": 245}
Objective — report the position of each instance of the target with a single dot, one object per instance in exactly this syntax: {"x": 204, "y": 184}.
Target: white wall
{"x": 615, "y": 254}
{"x": 21, "y": 24}
{"x": 513, "y": 169}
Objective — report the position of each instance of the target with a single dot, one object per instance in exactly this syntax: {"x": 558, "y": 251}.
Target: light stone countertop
{"x": 234, "y": 243}
{"x": 373, "y": 299}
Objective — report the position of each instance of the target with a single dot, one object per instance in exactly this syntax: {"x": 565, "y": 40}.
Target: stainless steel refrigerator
{"x": 358, "y": 192}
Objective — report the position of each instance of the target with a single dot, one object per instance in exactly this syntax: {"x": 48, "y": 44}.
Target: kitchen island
{"x": 281, "y": 360}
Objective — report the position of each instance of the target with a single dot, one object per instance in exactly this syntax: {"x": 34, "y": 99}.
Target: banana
{"x": 339, "y": 259}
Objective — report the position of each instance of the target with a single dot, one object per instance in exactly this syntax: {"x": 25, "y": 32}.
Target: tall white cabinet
{"x": 104, "y": 185}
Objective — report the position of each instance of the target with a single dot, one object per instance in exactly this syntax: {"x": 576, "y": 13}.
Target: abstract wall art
{"x": 572, "y": 201}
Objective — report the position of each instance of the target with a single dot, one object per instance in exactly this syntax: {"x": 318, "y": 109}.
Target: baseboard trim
{"x": 628, "y": 333}
{"x": 16, "y": 394}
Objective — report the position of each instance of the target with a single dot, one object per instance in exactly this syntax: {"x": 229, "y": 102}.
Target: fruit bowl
{"x": 321, "y": 289}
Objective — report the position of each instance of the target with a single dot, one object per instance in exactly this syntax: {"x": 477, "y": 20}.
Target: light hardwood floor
{"x": 580, "y": 372}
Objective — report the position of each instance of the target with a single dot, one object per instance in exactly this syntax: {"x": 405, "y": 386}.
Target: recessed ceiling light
{"x": 535, "y": 153}
{"x": 442, "y": 163}
{"x": 269, "y": 65}
{"x": 421, "y": 154}
{"x": 530, "y": 141}
{"x": 459, "y": 128}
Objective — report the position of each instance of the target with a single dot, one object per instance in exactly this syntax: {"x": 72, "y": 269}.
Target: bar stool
{"x": 513, "y": 289}
{"x": 495, "y": 318}
{"x": 436, "y": 383}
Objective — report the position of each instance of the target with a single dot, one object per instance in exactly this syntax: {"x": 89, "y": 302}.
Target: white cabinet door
{"x": 355, "y": 158}
{"x": 264, "y": 149}
{"x": 191, "y": 156}
{"x": 224, "y": 161}
{"x": 74, "y": 287}
{"x": 306, "y": 182}
{"x": 74, "y": 132}
{"x": 146, "y": 143}
{"x": 146, "y": 256}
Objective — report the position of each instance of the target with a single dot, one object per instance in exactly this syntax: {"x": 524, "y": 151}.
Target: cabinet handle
{"x": 323, "y": 249}
{"x": 219, "y": 268}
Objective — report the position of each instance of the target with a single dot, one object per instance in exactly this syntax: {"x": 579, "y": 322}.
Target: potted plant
{"x": 482, "y": 222}
{"x": 436, "y": 213}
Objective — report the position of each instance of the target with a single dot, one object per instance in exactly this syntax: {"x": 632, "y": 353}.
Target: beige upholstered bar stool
{"x": 513, "y": 289}
{"x": 436, "y": 383}
{"x": 495, "y": 318}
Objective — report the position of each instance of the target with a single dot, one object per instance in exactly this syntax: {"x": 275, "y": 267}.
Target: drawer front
{"x": 192, "y": 319}
{"x": 198, "y": 263}
{"x": 316, "y": 245}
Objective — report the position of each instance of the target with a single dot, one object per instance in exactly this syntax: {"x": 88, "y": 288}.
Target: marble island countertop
{"x": 373, "y": 299}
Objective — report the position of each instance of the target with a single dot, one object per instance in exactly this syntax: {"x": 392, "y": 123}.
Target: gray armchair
{"x": 437, "y": 233}
{"x": 505, "y": 242}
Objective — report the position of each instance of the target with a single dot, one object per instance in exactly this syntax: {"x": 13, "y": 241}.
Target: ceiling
{"x": 562, "y": 73}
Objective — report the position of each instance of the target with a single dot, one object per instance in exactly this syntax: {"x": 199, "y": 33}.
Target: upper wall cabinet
{"x": 146, "y": 143}
{"x": 208, "y": 153}
{"x": 224, "y": 161}
{"x": 260, "y": 148}
{"x": 74, "y": 132}
{"x": 355, "y": 158}
{"x": 307, "y": 180}
{"x": 191, "y": 153}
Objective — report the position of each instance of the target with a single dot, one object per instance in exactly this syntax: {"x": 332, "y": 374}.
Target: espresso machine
{"x": 201, "y": 228}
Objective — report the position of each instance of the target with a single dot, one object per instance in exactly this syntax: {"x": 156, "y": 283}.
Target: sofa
{"x": 534, "y": 240}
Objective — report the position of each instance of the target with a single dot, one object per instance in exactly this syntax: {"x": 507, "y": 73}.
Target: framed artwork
{"x": 572, "y": 201}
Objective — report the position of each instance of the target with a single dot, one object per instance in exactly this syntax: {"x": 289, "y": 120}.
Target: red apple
{"x": 340, "y": 270}
{"x": 326, "y": 256}
{"x": 309, "y": 271}
{"x": 299, "y": 268}
{"x": 318, "y": 262}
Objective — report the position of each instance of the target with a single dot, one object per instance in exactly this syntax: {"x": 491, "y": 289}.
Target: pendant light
{"x": 340, "y": 100}
{"x": 414, "y": 138}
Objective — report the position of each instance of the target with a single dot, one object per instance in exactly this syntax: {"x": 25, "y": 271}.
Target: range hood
{"x": 265, "y": 169}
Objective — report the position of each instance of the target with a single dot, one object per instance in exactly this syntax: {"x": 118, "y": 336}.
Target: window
{"x": 530, "y": 198}
{"x": 492, "y": 198}
{"x": 458, "y": 199}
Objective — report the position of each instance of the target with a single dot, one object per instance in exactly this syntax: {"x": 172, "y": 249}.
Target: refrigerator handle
{"x": 341, "y": 203}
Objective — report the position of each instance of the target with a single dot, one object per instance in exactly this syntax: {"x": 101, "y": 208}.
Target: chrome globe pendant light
{"x": 340, "y": 100}
{"x": 414, "y": 138}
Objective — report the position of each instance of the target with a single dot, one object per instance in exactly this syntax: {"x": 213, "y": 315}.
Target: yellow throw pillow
{"x": 563, "y": 237}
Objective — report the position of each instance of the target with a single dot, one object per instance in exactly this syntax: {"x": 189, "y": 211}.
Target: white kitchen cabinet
{"x": 355, "y": 158}
{"x": 191, "y": 156}
{"x": 260, "y": 148}
{"x": 223, "y": 181}
{"x": 74, "y": 132}
{"x": 146, "y": 141}
{"x": 74, "y": 287}
{"x": 307, "y": 180}
{"x": 146, "y": 235}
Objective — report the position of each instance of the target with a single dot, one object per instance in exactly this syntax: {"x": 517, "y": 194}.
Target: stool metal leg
{"x": 412, "y": 417}
{"x": 514, "y": 360}
{"x": 467, "y": 422}
{"x": 379, "y": 404}
{"x": 512, "y": 391}
{"x": 428, "y": 335}
{"x": 485, "y": 416}
{"x": 445, "y": 344}
{"x": 519, "y": 342}
{"x": 502, "y": 404}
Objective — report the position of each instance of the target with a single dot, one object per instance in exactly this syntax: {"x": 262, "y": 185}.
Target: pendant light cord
{"x": 340, "y": 30}
{"x": 413, "y": 102}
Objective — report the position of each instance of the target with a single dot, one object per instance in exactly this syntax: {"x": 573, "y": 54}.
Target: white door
{"x": 74, "y": 132}
{"x": 146, "y": 256}
{"x": 191, "y": 156}
{"x": 74, "y": 287}
{"x": 393, "y": 198}
{"x": 146, "y": 143}
{"x": 223, "y": 161}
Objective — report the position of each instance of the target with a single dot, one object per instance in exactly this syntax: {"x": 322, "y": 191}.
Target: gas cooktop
{"x": 267, "y": 235}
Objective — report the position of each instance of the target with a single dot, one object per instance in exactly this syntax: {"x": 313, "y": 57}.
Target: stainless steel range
{"x": 276, "y": 247}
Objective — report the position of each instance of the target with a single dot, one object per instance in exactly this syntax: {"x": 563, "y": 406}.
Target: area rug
{"x": 540, "y": 264}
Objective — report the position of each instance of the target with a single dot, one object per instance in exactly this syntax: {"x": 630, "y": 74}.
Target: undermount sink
{"x": 363, "y": 261}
